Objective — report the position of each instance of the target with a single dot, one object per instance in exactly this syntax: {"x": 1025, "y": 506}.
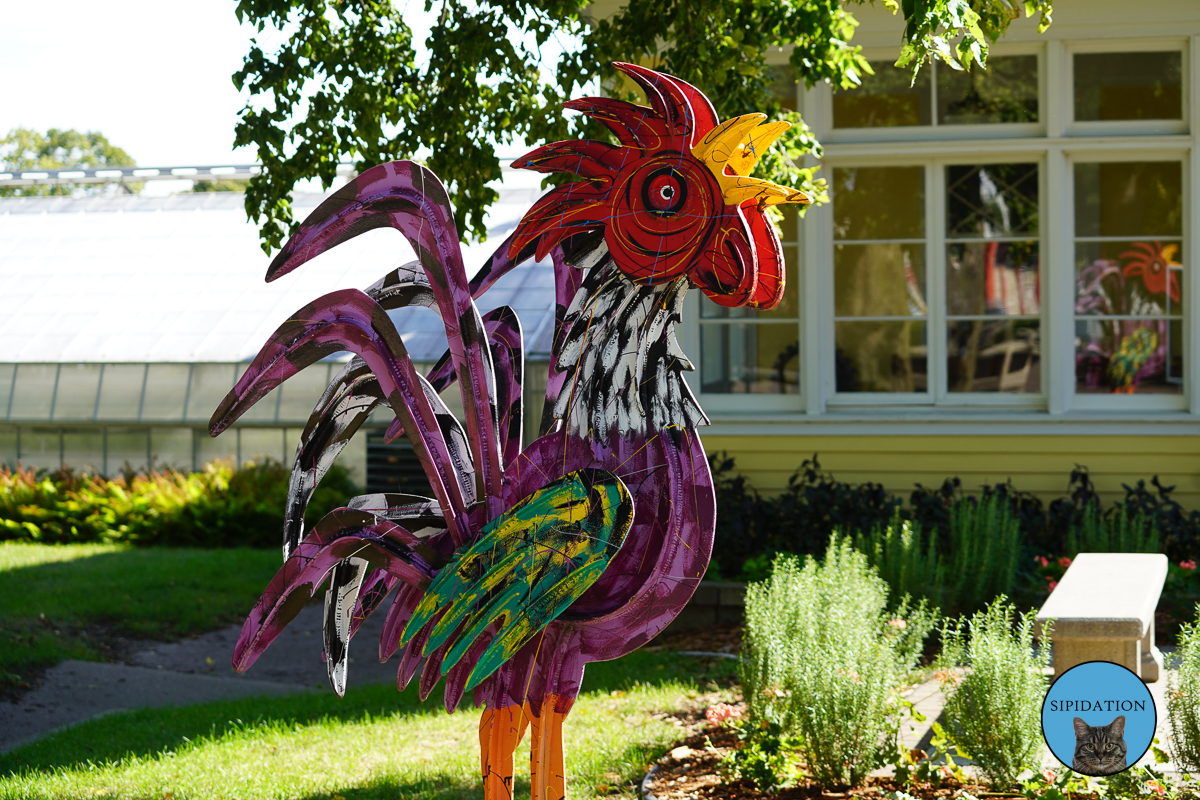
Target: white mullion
{"x": 1191, "y": 210}
{"x": 1058, "y": 95}
{"x": 935, "y": 284}
{"x": 1058, "y": 314}
{"x": 816, "y": 317}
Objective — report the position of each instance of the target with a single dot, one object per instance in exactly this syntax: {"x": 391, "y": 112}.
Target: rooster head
{"x": 673, "y": 198}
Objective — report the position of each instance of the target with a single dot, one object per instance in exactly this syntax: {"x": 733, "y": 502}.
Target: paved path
{"x": 190, "y": 671}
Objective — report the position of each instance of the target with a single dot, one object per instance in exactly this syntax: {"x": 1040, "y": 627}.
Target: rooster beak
{"x": 731, "y": 150}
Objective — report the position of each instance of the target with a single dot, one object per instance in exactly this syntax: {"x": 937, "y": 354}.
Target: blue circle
{"x": 1098, "y": 692}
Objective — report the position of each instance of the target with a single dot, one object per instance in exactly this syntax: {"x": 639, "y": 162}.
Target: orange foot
{"x": 502, "y": 729}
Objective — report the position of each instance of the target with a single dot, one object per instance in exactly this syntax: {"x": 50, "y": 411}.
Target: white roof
{"x": 180, "y": 279}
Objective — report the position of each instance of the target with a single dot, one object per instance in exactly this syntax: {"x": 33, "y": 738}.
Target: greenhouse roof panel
{"x": 180, "y": 279}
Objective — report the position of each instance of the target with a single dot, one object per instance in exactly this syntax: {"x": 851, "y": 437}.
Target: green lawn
{"x": 60, "y": 601}
{"x": 374, "y": 743}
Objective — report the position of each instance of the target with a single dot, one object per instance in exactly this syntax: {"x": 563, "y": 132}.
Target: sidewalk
{"x": 190, "y": 671}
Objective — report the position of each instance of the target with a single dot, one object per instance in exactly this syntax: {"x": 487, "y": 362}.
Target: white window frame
{"x": 1125, "y": 127}
{"x": 1136, "y": 402}
{"x": 1056, "y": 146}
{"x": 823, "y": 102}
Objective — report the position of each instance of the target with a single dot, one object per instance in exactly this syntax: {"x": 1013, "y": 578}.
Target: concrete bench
{"x": 1103, "y": 610}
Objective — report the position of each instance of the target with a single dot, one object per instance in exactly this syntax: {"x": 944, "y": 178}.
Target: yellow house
{"x": 1002, "y": 285}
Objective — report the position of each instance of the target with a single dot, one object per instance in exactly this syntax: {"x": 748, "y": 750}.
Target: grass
{"x": 63, "y": 601}
{"x": 374, "y": 743}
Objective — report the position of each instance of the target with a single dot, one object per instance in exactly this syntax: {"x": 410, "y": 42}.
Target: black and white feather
{"x": 623, "y": 365}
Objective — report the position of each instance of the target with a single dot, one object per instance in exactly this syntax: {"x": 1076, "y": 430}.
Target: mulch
{"x": 720, "y": 638}
{"x": 691, "y": 771}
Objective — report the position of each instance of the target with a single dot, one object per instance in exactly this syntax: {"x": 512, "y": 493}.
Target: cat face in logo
{"x": 1099, "y": 749}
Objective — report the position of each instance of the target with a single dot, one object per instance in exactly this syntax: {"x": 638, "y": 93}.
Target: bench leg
{"x": 1068, "y": 652}
{"x": 1152, "y": 658}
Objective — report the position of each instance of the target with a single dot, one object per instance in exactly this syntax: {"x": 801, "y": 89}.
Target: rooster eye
{"x": 664, "y": 191}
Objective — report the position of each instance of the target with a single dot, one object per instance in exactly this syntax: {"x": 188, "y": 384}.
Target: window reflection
{"x": 1113, "y": 86}
{"x": 880, "y": 288}
{"x": 1129, "y": 356}
{"x": 740, "y": 358}
{"x": 881, "y": 356}
{"x": 993, "y": 355}
{"x": 1129, "y": 278}
{"x": 1129, "y": 199}
{"x": 1007, "y": 91}
{"x": 889, "y": 98}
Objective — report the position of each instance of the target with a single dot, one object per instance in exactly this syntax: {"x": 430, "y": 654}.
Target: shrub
{"x": 823, "y": 659}
{"x": 1183, "y": 699}
{"x": 216, "y": 507}
{"x": 982, "y": 549}
{"x": 981, "y": 545}
{"x": 994, "y": 708}
{"x": 1123, "y": 530}
{"x": 906, "y": 559}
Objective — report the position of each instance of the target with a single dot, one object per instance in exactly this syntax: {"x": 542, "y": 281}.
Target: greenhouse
{"x": 125, "y": 320}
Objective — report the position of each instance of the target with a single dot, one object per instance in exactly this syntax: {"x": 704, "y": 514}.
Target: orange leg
{"x": 547, "y": 769}
{"x": 500, "y": 731}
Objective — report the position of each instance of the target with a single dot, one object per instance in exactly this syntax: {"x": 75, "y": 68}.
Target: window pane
{"x": 300, "y": 392}
{"x": 879, "y": 203}
{"x": 1128, "y": 86}
{"x": 783, "y": 86}
{"x": 126, "y": 451}
{"x": 881, "y": 356}
{"x": 1137, "y": 278}
{"x": 740, "y": 358}
{"x": 261, "y": 443}
{"x": 171, "y": 448}
{"x": 210, "y": 384}
{"x": 992, "y": 278}
{"x": 1129, "y": 199}
{"x": 1128, "y": 356}
{"x": 8, "y": 448}
{"x": 879, "y": 280}
{"x": 992, "y": 200}
{"x": 121, "y": 391}
{"x": 1007, "y": 91}
{"x": 76, "y": 395}
{"x": 222, "y": 448}
{"x": 886, "y": 99}
{"x": 40, "y": 448}
{"x": 83, "y": 450}
{"x": 7, "y": 372}
{"x": 788, "y": 308}
{"x": 33, "y": 391}
{"x": 993, "y": 356}
{"x": 166, "y": 388}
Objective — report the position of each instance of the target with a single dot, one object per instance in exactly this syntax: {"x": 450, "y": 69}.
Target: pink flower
{"x": 1048, "y": 775}
{"x": 721, "y": 712}
{"x": 1156, "y": 787}
{"x": 1042, "y": 561}
{"x": 1052, "y": 585}
{"x": 1064, "y": 562}
{"x": 1189, "y": 564}
{"x": 899, "y": 623}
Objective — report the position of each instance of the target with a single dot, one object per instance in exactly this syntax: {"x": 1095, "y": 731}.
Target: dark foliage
{"x": 751, "y": 529}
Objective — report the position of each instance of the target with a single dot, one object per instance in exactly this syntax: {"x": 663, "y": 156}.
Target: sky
{"x": 152, "y": 76}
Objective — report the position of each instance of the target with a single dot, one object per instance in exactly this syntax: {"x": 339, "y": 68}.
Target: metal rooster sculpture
{"x": 526, "y": 563}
